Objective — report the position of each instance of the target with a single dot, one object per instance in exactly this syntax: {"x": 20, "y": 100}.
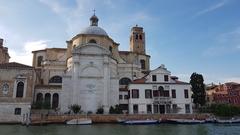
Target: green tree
{"x": 198, "y": 89}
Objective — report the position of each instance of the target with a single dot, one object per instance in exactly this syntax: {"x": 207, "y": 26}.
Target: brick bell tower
{"x": 137, "y": 40}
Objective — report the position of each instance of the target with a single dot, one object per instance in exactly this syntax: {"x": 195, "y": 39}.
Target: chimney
{"x": 1, "y": 42}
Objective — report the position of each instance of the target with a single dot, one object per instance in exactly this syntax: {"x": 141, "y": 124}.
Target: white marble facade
{"x": 91, "y": 81}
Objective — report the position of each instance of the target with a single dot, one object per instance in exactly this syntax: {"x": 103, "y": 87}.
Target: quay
{"x": 40, "y": 119}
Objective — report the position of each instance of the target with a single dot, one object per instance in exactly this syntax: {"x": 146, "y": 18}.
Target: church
{"x": 93, "y": 73}
{"x": 89, "y": 70}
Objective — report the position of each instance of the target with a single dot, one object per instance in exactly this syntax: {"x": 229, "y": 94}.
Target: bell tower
{"x": 137, "y": 40}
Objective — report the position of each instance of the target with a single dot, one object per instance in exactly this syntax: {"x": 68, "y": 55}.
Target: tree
{"x": 198, "y": 89}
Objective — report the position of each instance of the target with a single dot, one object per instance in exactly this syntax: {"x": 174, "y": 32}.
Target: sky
{"x": 187, "y": 36}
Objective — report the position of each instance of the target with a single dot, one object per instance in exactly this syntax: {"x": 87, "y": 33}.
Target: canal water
{"x": 117, "y": 129}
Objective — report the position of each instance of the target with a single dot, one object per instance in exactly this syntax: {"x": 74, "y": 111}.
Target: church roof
{"x": 93, "y": 29}
{"x": 13, "y": 65}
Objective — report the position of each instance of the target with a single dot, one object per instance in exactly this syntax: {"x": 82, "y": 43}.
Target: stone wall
{"x": 38, "y": 118}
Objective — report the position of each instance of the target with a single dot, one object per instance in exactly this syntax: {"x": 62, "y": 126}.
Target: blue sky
{"x": 187, "y": 36}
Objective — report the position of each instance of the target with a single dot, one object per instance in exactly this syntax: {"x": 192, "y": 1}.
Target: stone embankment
{"x": 111, "y": 118}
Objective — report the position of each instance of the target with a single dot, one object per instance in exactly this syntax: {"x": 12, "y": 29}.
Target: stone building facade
{"x": 159, "y": 93}
{"x": 4, "y": 56}
{"x": 16, "y": 91}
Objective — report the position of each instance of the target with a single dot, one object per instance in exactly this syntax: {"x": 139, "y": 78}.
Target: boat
{"x": 227, "y": 121}
{"x": 119, "y": 120}
{"x": 185, "y": 121}
{"x": 140, "y": 122}
{"x": 81, "y": 121}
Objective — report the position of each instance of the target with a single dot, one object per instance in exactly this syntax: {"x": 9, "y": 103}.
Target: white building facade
{"x": 159, "y": 93}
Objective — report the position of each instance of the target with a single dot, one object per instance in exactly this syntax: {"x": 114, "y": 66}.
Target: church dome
{"x": 93, "y": 28}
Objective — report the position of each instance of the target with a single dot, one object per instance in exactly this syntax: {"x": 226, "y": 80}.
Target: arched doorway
{"x": 55, "y": 101}
{"x": 39, "y": 98}
{"x": 47, "y": 101}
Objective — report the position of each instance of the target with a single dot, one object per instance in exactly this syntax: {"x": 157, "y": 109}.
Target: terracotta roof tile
{"x": 12, "y": 65}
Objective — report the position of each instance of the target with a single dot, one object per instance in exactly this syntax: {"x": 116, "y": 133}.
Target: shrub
{"x": 100, "y": 110}
{"x": 75, "y": 108}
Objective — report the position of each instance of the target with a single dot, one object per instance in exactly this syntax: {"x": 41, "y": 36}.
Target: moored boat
{"x": 227, "y": 121}
{"x": 185, "y": 121}
{"x": 81, "y": 121}
{"x": 140, "y": 122}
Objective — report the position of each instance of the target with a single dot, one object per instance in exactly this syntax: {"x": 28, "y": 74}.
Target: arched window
{"x": 47, "y": 101}
{"x": 136, "y": 36}
{"x": 55, "y": 101}
{"x": 124, "y": 81}
{"x": 39, "y": 60}
{"x": 142, "y": 64}
{"x": 92, "y": 41}
{"x": 161, "y": 91}
{"x": 140, "y": 37}
{"x": 39, "y": 98}
{"x": 56, "y": 79}
{"x": 20, "y": 89}
{"x": 110, "y": 48}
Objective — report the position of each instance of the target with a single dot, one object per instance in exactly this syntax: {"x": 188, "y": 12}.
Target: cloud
{"x": 24, "y": 56}
{"x": 212, "y": 8}
{"x": 225, "y": 43}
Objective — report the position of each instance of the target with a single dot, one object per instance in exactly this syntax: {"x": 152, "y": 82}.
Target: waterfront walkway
{"x": 110, "y": 118}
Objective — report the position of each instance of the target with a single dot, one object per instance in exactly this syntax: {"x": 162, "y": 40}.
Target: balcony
{"x": 162, "y": 100}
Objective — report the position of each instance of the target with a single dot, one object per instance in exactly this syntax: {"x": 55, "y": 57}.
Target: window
{"x": 39, "y": 60}
{"x": 161, "y": 91}
{"x": 186, "y": 93}
{"x": 140, "y": 37}
{"x": 92, "y": 41}
{"x": 136, "y": 36}
{"x": 149, "y": 108}
{"x": 148, "y": 93}
{"x": 155, "y": 93}
{"x": 126, "y": 97}
{"x": 155, "y": 108}
{"x": 56, "y": 79}
{"x": 187, "y": 108}
{"x": 174, "y": 108}
{"x": 142, "y": 64}
{"x": 120, "y": 97}
{"x": 17, "y": 111}
{"x": 154, "y": 78}
{"x": 166, "y": 93}
{"x": 173, "y": 93}
{"x": 135, "y": 93}
{"x": 124, "y": 81}
{"x": 135, "y": 109}
{"x": 110, "y": 48}
{"x": 20, "y": 89}
{"x": 166, "y": 78}
{"x": 5, "y": 88}
{"x": 47, "y": 101}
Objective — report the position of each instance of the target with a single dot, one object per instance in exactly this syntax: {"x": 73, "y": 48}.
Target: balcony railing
{"x": 162, "y": 100}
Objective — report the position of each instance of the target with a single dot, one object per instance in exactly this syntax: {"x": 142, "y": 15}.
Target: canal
{"x": 117, "y": 129}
